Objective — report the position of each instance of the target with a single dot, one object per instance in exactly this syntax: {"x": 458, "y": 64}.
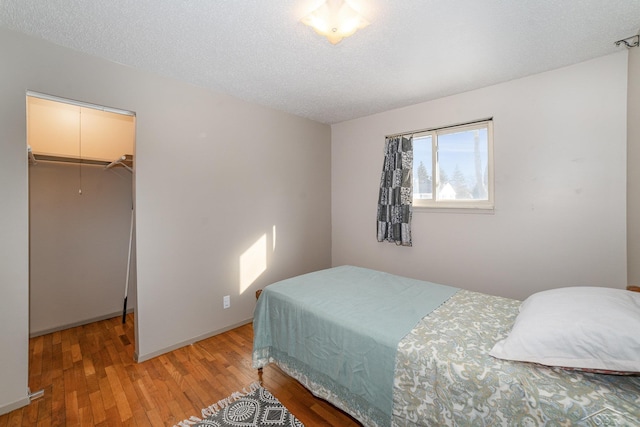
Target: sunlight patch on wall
{"x": 253, "y": 262}
{"x": 273, "y": 239}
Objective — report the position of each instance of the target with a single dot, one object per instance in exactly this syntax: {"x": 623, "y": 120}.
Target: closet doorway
{"x": 81, "y": 213}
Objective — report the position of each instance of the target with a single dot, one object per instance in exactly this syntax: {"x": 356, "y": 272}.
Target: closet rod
{"x": 120, "y": 161}
{"x": 32, "y": 158}
{"x": 62, "y": 159}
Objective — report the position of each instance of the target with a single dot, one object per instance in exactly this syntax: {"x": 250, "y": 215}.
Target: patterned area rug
{"x": 253, "y": 408}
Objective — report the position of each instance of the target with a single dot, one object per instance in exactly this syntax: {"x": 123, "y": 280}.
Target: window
{"x": 453, "y": 167}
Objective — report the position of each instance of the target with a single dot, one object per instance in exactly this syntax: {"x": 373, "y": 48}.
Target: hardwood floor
{"x": 90, "y": 379}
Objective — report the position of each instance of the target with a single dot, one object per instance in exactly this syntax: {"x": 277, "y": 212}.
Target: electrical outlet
{"x": 226, "y": 301}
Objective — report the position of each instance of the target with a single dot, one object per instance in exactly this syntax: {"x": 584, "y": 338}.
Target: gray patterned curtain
{"x": 396, "y": 192}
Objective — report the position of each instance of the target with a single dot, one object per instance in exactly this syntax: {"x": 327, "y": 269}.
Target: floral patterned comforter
{"x": 445, "y": 377}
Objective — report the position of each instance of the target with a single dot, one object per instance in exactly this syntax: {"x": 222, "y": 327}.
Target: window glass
{"x": 461, "y": 157}
{"x": 462, "y": 165}
{"x": 423, "y": 167}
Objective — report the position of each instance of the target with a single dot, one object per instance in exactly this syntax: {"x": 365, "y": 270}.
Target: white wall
{"x": 633, "y": 171}
{"x": 78, "y": 244}
{"x": 559, "y": 146}
{"x": 215, "y": 177}
{"x": 14, "y": 238}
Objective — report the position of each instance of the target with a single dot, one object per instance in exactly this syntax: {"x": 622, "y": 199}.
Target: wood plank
{"x": 72, "y": 415}
{"x": 155, "y": 419}
{"x": 119, "y": 395}
{"x": 97, "y": 407}
{"x": 144, "y": 395}
{"x": 108, "y": 400}
{"x": 44, "y": 422}
{"x": 30, "y": 413}
{"x": 36, "y": 349}
{"x": 58, "y": 401}
{"x": 46, "y": 361}
{"x": 14, "y": 418}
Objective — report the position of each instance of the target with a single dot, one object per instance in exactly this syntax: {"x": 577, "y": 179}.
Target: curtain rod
{"x": 79, "y": 103}
{"x": 628, "y": 45}
{"x": 439, "y": 128}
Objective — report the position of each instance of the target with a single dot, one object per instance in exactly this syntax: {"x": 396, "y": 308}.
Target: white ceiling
{"x": 257, "y": 50}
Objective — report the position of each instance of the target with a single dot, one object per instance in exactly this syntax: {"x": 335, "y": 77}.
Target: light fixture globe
{"x": 335, "y": 19}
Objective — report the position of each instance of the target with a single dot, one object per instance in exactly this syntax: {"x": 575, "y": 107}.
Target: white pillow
{"x": 587, "y": 328}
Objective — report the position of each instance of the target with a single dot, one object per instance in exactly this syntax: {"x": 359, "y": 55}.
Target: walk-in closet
{"x": 82, "y": 217}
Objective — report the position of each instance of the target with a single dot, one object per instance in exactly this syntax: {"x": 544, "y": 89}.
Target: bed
{"x": 393, "y": 351}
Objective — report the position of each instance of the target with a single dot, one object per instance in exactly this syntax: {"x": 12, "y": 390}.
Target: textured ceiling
{"x": 257, "y": 50}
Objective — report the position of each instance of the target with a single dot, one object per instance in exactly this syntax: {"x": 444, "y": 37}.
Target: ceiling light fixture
{"x": 335, "y": 19}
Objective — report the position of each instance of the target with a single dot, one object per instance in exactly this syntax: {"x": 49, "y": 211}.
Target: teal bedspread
{"x": 338, "y": 330}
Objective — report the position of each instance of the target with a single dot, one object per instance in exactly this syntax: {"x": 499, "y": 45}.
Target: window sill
{"x": 453, "y": 210}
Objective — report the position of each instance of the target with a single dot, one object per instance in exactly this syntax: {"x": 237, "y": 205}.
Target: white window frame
{"x": 478, "y": 205}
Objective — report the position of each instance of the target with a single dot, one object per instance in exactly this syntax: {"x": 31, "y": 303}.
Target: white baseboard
{"x": 5, "y": 409}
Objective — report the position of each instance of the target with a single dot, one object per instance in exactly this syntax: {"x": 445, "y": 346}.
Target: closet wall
{"x": 80, "y": 215}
